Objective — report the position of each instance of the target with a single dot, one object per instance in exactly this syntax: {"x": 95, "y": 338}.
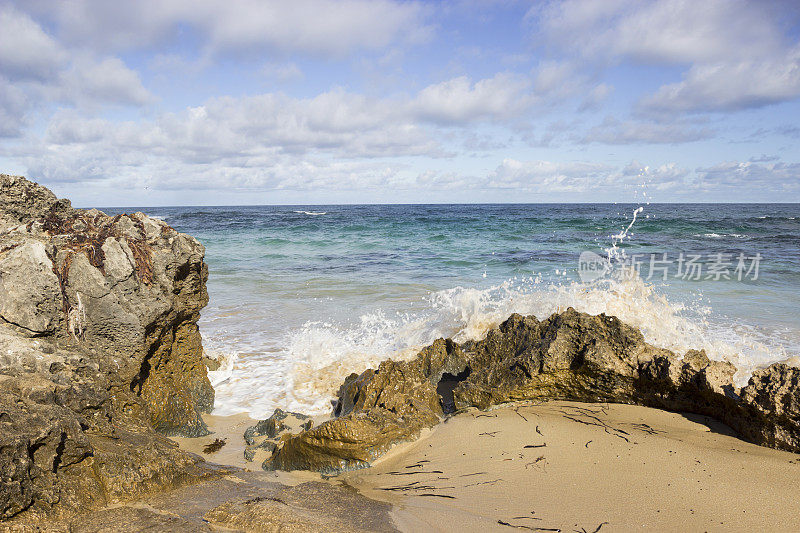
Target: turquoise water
{"x": 303, "y": 295}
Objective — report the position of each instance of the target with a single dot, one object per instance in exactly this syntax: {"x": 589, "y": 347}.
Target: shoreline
{"x": 568, "y": 466}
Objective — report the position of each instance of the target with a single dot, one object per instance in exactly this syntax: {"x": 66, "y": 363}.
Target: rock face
{"x": 569, "y": 356}
{"x": 244, "y": 502}
{"x": 99, "y": 346}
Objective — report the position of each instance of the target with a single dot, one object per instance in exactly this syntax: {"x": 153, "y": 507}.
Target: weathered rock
{"x": 307, "y": 507}
{"x": 569, "y": 356}
{"x": 127, "y": 288}
{"x": 98, "y": 346}
{"x": 135, "y": 519}
{"x": 22, "y": 201}
{"x": 375, "y": 410}
{"x": 268, "y": 433}
{"x": 30, "y": 295}
{"x": 245, "y": 502}
{"x": 773, "y": 394}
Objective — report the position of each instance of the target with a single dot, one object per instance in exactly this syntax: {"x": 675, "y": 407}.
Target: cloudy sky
{"x": 175, "y": 102}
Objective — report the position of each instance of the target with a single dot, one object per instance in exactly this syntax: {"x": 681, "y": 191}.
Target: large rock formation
{"x": 99, "y": 346}
{"x": 569, "y": 356}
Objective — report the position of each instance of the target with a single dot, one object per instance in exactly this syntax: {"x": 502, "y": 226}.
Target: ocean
{"x": 302, "y": 296}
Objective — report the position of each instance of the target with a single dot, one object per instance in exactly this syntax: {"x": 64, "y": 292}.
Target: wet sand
{"x": 564, "y": 466}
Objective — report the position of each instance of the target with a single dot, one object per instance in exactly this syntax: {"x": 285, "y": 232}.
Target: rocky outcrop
{"x": 99, "y": 347}
{"x": 569, "y": 356}
{"x": 245, "y": 502}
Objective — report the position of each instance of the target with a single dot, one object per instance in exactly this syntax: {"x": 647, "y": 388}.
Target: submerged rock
{"x": 99, "y": 346}
{"x": 569, "y": 356}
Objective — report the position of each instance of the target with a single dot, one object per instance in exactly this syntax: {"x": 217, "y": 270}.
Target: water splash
{"x": 314, "y": 360}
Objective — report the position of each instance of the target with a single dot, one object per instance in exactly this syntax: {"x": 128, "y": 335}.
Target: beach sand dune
{"x": 563, "y": 466}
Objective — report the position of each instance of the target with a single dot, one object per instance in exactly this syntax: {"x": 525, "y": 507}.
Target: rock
{"x": 99, "y": 347}
{"x": 21, "y": 201}
{"x": 569, "y": 356}
{"x": 127, "y": 288}
{"x": 309, "y": 507}
{"x": 269, "y": 427}
{"x": 773, "y": 394}
{"x": 268, "y": 433}
{"x": 30, "y": 294}
{"x": 135, "y": 519}
{"x": 375, "y": 410}
{"x": 36, "y": 441}
{"x": 244, "y": 502}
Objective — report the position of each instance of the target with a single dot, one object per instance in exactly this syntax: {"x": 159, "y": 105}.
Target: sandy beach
{"x": 565, "y": 466}
{"x": 577, "y": 467}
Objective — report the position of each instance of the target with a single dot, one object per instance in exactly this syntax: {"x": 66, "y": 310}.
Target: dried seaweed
{"x": 584, "y": 530}
{"x": 258, "y": 499}
{"x": 84, "y": 233}
{"x": 9, "y": 247}
{"x": 214, "y": 446}
{"x": 523, "y": 526}
{"x": 415, "y": 472}
{"x": 415, "y": 485}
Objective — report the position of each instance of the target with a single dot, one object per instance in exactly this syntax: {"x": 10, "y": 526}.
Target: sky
{"x": 197, "y": 102}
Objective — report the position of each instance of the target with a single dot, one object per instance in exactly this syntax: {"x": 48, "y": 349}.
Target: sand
{"x": 569, "y": 467}
{"x": 545, "y": 466}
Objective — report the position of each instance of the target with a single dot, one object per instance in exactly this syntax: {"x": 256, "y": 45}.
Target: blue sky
{"x": 175, "y": 102}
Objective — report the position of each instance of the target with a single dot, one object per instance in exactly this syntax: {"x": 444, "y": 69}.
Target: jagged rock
{"x": 375, "y": 410}
{"x": 569, "y": 356}
{"x": 21, "y": 201}
{"x": 98, "y": 346}
{"x": 773, "y": 394}
{"x": 127, "y": 288}
{"x": 267, "y": 433}
{"x": 269, "y": 427}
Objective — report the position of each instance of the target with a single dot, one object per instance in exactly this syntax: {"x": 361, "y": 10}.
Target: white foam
{"x": 720, "y": 236}
{"x": 305, "y": 372}
{"x": 312, "y": 213}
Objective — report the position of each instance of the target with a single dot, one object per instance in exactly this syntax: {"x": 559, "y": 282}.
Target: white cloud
{"x": 664, "y": 31}
{"x": 613, "y": 131}
{"x": 13, "y": 106}
{"x": 312, "y": 26}
{"x": 778, "y": 177}
{"x": 547, "y": 176}
{"x": 459, "y": 100}
{"x": 648, "y": 179}
{"x": 109, "y": 80}
{"x": 247, "y": 136}
{"x": 733, "y": 85}
{"x": 36, "y": 71}
{"x": 26, "y": 51}
{"x": 737, "y": 53}
{"x": 245, "y": 132}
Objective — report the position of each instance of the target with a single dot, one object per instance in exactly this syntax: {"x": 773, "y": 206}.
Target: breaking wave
{"x": 316, "y": 358}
